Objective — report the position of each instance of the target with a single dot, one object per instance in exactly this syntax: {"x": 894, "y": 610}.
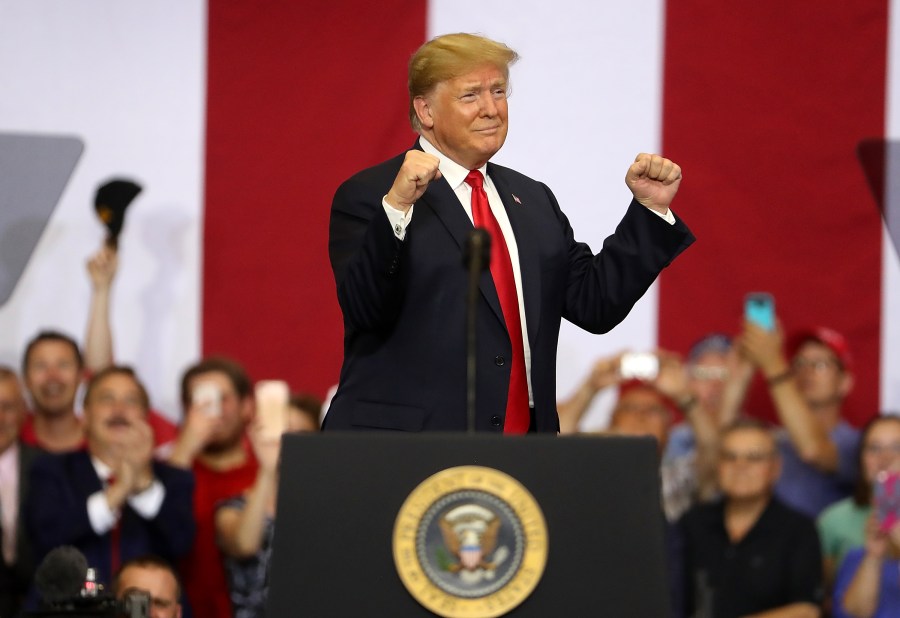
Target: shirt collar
{"x": 8, "y": 459}
{"x": 103, "y": 471}
{"x": 454, "y": 173}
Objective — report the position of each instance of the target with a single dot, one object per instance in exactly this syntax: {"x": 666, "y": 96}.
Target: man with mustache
{"x": 112, "y": 501}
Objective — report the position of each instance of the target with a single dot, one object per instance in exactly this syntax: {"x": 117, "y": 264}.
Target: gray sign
{"x": 34, "y": 170}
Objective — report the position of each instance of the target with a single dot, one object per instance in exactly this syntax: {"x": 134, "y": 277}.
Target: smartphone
{"x": 639, "y": 365}
{"x": 886, "y": 499}
{"x": 272, "y": 407}
{"x": 208, "y": 395}
{"x": 759, "y": 308}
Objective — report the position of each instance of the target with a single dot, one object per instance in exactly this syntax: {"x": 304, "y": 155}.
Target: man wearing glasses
{"x": 749, "y": 554}
{"x": 808, "y": 386}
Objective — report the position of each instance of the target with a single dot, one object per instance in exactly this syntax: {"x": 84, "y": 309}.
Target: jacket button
{"x": 496, "y": 421}
{"x": 499, "y": 361}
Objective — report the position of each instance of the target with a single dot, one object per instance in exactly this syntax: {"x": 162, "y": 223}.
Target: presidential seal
{"x": 470, "y": 542}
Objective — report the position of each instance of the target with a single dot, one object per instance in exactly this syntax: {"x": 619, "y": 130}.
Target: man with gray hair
{"x": 396, "y": 245}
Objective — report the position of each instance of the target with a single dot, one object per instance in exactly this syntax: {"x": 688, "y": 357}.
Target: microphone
{"x": 110, "y": 203}
{"x": 476, "y": 258}
{"x": 61, "y": 575}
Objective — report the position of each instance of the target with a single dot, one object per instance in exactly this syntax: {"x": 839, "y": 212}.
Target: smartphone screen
{"x": 639, "y": 365}
{"x": 208, "y": 396}
{"x": 886, "y": 499}
{"x": 272, "y": 407}
{"x": 759, "y": 308}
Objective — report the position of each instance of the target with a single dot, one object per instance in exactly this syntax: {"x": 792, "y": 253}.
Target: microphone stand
{"x": 476, "y": 257}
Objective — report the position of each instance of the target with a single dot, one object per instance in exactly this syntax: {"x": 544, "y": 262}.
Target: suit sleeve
{"x": 173, "y": 527}
{"x": 56, "y": 514}
{"x": 601, "y": 289}
{"x": 366, "y": 257}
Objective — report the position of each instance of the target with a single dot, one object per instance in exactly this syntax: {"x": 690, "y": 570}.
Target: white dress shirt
{"x": 103, "y": 519}
{"x": 455, "y": 175}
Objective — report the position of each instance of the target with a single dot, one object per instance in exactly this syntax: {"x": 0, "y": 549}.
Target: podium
{"x": 601, "y": 551}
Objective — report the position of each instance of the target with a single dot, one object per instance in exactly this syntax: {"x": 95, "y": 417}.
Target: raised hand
{"x": 654, "y": 181}
{"x": 102, "y": 267}
{"x": 418, "y": 170}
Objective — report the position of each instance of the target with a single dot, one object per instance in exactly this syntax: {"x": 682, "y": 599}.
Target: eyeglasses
{"x": 816, "y": 364}
{"x": 703, "y": 372}
{"x": 752, "y": 457}
{"x": 637, "y": 408}
{"x": 882, "y": 449}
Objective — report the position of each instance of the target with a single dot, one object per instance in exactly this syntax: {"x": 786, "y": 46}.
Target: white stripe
{"x": 890, "y": 307}
{"x": 129, "y": 79}
{"x": 586, "y": 98}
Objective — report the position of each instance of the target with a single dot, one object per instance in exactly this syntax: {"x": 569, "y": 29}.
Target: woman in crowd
{"x": 865, "y": 554}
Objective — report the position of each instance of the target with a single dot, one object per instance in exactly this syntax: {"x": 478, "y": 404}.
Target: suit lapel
{"x": 441, "y": 199}
{"x": 529, "y": 260}
{"x": 27, "y": 456}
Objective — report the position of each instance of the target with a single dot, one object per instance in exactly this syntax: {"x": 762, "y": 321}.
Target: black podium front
{"x": 340, "y": 495}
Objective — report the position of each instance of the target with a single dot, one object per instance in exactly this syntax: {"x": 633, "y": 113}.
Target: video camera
{"x": 68, "y": 589}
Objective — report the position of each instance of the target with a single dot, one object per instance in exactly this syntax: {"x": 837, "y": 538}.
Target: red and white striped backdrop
{"x": 242, "y": 118}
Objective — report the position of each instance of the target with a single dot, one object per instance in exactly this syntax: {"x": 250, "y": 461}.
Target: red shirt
{"x": 202, "y": 569}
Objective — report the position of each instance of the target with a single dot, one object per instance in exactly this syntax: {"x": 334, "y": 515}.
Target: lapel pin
{"x": 516, "y": 198}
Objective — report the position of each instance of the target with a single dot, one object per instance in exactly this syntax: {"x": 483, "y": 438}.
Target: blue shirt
{"x": 807, "y": 489}
{"x": 888, "y": 593}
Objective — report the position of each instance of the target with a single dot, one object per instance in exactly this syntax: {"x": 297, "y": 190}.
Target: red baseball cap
{"x": 634, "y": 384}
{"x": 828, "y": 337}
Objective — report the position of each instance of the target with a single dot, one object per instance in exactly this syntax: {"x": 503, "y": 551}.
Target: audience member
{"x": 155, "y": 577}
{"x": 842, "y": 525}
{"x": 867, "y": 584}
{"x": 642, "y": 410}
{"x": 818, "y": 447}
{"x": 748, "y": 554}
{"x": 244, "y": 527}
{"x": 112, "y": 501}
{"x": 707, "y": 365}
{"x": 17, "y": 564}
{"x": 862, "y": 555}
{"x": 656, "y": 404}
{"x": 98, "y": 341}
{"x": 53, "y": 368}
{"x": 212, "y": 442}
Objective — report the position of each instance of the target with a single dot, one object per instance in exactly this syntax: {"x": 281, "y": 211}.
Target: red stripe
{"x": 300, "y": 96}
{"x": 764, "y": 105}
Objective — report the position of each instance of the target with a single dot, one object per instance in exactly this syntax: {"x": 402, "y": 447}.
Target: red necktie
{"x": 115, "y": 539}
{"x": 518, "y": 416}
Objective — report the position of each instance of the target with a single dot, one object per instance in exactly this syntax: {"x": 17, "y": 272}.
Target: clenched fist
{"x": 654, "y": 181}
{"x": 418, "y": 170}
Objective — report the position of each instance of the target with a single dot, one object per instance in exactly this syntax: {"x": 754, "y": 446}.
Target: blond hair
{"x": 451, "y": 55}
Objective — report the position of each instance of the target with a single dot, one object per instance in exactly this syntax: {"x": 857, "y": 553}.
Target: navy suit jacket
{"x": 404, "y": 303}
{"x": 16, "y": 579}
{"x": 57, "y": 513}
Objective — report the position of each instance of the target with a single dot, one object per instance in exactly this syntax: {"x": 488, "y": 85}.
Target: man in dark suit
{"x": 17, "y": 564}
{"x": 113, "y": 501}
{"x": 396, "y": 245}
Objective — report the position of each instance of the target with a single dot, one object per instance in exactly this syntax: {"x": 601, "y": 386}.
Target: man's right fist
{"x": 418, "y": 169}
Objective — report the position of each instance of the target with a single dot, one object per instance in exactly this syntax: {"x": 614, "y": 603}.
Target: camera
{"x": 135, "y": 604}
{"x": 68, "y": 589}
